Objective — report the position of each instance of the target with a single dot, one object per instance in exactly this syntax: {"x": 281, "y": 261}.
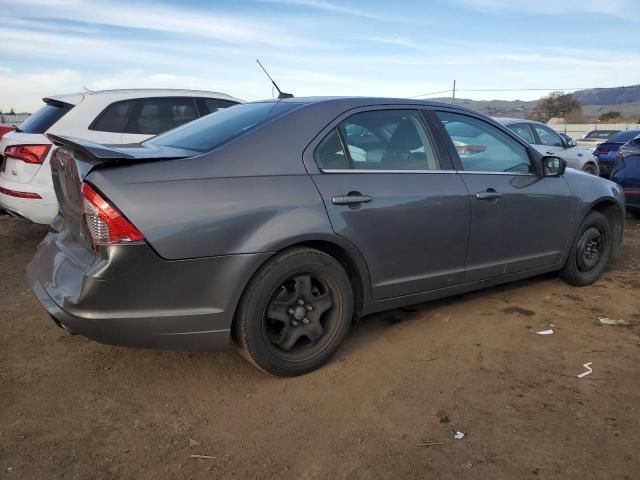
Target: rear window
{"x": 601, "y": 134}
{"x": 624, "y": 137}
{"x": 214, "y": 130}
{"x": 45, "y": 117}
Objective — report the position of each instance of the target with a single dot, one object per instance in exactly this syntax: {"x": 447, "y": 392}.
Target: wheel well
{"x": 611, "y": 210}
{"x": 349, "y": 265}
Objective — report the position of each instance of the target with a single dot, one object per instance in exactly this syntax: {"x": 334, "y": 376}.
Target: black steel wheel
{"x": 295, "y": 312}
{"x": 590, "y": 251}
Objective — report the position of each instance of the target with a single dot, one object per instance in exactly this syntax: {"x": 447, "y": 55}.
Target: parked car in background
{"x": 626, "y": 172}
{"x": 4, "y": 130}
{"x": 606, "y": 152}
{"x": 261, "y": 224}
{"x": 594, "y": 137}
{"x": 549, "y": 142}
{"x": 109, "y": 117}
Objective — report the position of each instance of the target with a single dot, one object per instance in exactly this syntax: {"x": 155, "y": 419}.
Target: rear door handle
{"x": 351, "y": 199}
{"x": 488, "y": 195}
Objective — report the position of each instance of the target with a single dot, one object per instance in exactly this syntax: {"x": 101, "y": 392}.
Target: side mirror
{"x": 553, "y": 166}
{"x": 567, "y": 141}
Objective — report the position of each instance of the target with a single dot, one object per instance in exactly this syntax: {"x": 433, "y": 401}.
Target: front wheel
{"x": 295, "y": 312}
{"x": 591, "y": 169}
{"x": 590, "y": 251}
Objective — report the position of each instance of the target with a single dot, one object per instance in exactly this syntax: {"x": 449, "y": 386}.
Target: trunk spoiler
{"x": 98, "y": 153}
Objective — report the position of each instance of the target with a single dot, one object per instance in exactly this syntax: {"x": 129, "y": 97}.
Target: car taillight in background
{"x": 33, "y": 154}
{"x": 470, "y": 149}
{"x": 5, "y": 130}
{"x": 106, "y": 225}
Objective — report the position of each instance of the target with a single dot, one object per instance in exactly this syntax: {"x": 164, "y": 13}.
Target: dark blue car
{"x": 606, "y": 152}
{"x": 626, "y": 172}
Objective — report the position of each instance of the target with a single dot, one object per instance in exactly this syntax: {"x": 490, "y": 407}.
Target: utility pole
{"x": 453, "y": 98}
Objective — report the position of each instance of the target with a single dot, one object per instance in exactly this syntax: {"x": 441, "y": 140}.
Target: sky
{"x": 401, "y": 48}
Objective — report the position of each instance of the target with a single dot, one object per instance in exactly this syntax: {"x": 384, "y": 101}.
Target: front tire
{"x": 295, "y": 312}
{"x": 590, "y": 252}
{"x": 591, "y": 168}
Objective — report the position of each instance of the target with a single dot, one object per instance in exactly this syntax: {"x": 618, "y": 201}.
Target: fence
{"x": 12, "y": 119}
{"x": 579, "y": 130}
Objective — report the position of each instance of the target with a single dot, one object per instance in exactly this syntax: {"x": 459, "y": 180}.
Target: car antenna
{"x": 281, "y": 94}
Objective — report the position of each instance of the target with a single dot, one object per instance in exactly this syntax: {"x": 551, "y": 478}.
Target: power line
{"x": 433, "y": 93}
{"x": 504, "y": 90}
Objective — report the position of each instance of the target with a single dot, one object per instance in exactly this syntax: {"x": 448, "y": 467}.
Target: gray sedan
{"x": 277, "y": 223}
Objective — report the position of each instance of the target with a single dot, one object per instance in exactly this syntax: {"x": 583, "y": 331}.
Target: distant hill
{"x": 608, "y": 96}
{"x": 595, "y": 102}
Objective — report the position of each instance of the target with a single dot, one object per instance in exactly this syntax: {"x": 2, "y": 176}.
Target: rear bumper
{"x": 131, "y": 297}
{"x": 35, "y": 210}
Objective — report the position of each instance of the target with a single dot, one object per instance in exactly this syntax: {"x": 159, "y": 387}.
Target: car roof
{"x": 355, "y": 102}
{"x": 510, "y": 121}
{"x": 125, "y": 94}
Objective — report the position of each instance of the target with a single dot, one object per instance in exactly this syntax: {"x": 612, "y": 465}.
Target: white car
{"x": 549, "y": 142}
{"x": 109, "y": 117}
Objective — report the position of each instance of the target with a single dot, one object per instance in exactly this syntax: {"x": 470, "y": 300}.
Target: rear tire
{"x": 590, "y": 252}
{"x": 295, "y": 312}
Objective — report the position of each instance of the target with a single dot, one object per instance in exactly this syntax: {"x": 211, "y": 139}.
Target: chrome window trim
{"x": 477, "y": 172}
{"x": 367, "y": 170}
{"x": 471, "y": 172}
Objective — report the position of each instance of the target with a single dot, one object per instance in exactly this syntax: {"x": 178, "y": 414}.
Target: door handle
{"x": 351, "y": 199}
{"x": 488, "y": 195}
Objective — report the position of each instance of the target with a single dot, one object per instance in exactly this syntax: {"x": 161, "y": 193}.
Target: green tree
{"x": 557, "y": 104}
{"x": 11, "y": 112}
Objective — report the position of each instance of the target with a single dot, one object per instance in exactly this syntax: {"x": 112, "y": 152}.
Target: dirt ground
{"x": 387, "y": 406}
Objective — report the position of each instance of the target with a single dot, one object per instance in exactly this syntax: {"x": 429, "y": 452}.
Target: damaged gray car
{"x": 277, "y": 223}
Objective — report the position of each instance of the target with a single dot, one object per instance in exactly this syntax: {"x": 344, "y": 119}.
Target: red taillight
{"x": 34, "y": 154}
{"x": 632, "y": 192}
{"x": 15, "y": 193}
{"x": 5, "y": 130}
{"x": 105, "y": 223}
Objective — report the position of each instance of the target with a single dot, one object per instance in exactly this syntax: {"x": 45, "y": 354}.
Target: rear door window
{"x": 379, "y": 140}
{"x": 157, "y": 115}
{"x": 523, "y": 130}
{"x": 45, "y": 117}
{"x": 114, "y": 118}
{"x": 547, "y": 136}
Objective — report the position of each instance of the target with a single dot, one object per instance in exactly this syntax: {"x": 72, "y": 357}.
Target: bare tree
{"x": 557, "y": 104}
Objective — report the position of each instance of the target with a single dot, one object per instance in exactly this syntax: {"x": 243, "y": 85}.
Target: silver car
{"x": 549, "y": 142}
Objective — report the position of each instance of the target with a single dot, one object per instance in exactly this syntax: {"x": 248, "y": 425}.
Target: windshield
{"x": 600, "y": 134}
{"x": 45, "y": 118}
{"x": 624, "y": 137}
{"x": 216, "y": 129}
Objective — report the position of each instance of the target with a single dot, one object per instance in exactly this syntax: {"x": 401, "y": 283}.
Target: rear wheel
{"x": 590, "y": 251}
{"x": 591, "y": 168}
{"x": 295, "y": 312}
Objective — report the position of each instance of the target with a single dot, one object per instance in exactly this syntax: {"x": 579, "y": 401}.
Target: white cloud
{"x": 336, "y": 8}
{"x": 616, "y": 8}
{"x": 165, "y": 18}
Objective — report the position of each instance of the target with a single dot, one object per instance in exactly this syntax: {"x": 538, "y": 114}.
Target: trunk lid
{"x": 74, "y": 159}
